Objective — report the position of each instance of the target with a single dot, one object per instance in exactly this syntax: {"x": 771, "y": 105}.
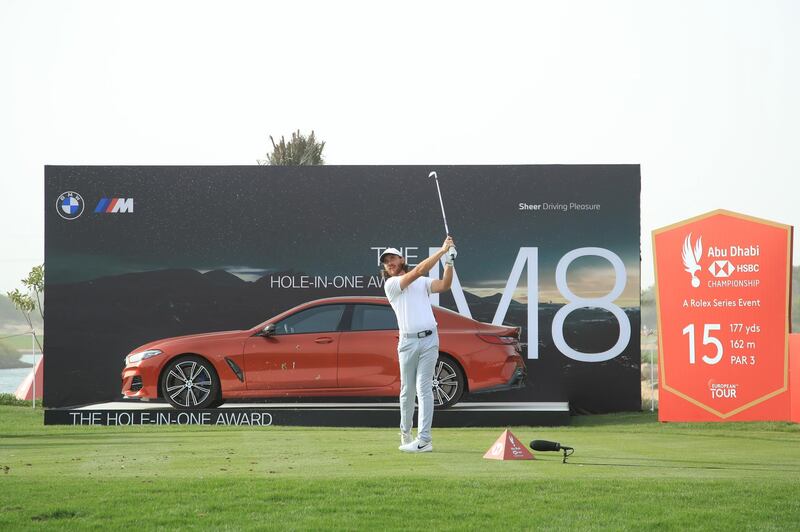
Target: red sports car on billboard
{"x": 341, "y": 346}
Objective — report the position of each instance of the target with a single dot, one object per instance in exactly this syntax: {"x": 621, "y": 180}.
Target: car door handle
{"x": 324, "y": 340}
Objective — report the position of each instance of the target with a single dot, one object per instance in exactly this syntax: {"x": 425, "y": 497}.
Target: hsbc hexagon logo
{"x": 721, "y": 268}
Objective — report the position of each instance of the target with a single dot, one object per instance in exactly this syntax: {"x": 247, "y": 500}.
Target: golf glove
{"x": 450, "y": 256}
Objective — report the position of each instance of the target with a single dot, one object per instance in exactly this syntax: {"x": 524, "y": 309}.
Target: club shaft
{"x": 441, "y": 204}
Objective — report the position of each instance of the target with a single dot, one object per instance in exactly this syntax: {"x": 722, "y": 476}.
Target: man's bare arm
{"x": 443, "y": 284}
{"x": 425, "y": 266}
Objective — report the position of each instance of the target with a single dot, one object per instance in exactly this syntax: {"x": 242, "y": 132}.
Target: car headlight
{"x": 135, "y": 358}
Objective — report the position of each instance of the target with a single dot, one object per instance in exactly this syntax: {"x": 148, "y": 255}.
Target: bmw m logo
{"x": 69, "y": 205}
{"x": 114, "y": 205}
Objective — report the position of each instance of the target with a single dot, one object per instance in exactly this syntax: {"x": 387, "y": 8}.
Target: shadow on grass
{"x": 55, "y": 515}
{"x": 621, "y": 418}
{"x": 650, "y": 419}
{"x": 708, "y": 467}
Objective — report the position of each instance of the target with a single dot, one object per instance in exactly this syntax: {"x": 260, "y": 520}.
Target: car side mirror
{"x": 268, "y": 331}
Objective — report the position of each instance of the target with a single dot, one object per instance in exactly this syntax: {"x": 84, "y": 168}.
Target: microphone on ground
{"x": 552, "y": 446}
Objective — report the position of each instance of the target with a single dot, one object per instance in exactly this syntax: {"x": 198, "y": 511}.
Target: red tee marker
{"x": 508, "y": 447}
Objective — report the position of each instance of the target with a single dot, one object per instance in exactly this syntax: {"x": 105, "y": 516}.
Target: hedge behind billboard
{"x": 135, "y": 254}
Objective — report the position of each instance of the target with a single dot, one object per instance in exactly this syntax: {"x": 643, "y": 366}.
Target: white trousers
{"x": 418, "y": 358}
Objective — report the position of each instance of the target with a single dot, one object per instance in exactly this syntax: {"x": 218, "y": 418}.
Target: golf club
{"x": 452, "y": 251}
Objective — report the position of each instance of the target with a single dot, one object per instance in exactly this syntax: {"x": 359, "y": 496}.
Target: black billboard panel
{"x": 138, "y": 256}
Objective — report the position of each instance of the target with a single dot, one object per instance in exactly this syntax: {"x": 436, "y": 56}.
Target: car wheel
{"x": 190, "y": 382}
{"x": 448, "y": 382}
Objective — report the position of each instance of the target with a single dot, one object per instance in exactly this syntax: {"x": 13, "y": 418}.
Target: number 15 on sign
{"x": 708, "y": 338}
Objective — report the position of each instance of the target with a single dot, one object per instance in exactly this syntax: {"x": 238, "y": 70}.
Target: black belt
{"x": 421, "y": 334}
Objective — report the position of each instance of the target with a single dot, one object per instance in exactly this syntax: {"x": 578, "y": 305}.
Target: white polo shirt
{"x": 412, "y": 306}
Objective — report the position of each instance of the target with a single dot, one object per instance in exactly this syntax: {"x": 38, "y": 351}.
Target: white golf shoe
{"x": 405, "y": 439}
{"x": 417, "y": 446}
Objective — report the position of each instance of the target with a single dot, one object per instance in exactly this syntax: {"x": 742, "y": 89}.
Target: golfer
{"x": 408, "y": 291}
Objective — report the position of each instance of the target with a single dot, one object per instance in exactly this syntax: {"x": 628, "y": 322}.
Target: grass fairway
{"x": 628, "y": 472}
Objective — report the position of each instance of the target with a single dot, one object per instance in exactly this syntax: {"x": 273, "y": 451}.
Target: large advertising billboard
{"x": 215, "y": 255}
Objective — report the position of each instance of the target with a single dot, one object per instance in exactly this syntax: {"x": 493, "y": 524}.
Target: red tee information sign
{"x": 723, "y": 297}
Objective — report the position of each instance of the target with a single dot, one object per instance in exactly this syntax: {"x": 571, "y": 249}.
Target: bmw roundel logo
{"x": 69, "y": 205}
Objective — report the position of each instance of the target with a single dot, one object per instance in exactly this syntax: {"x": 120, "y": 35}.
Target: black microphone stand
{"x": 567, "y": 452}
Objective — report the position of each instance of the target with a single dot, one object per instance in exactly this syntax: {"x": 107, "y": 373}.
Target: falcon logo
{"x": 69, "y": 205}
{"x": 691, "y": 258}
{"x": 114, "y": 205}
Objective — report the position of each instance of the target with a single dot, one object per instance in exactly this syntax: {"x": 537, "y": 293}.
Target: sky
{"x": 701, "y": 94}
